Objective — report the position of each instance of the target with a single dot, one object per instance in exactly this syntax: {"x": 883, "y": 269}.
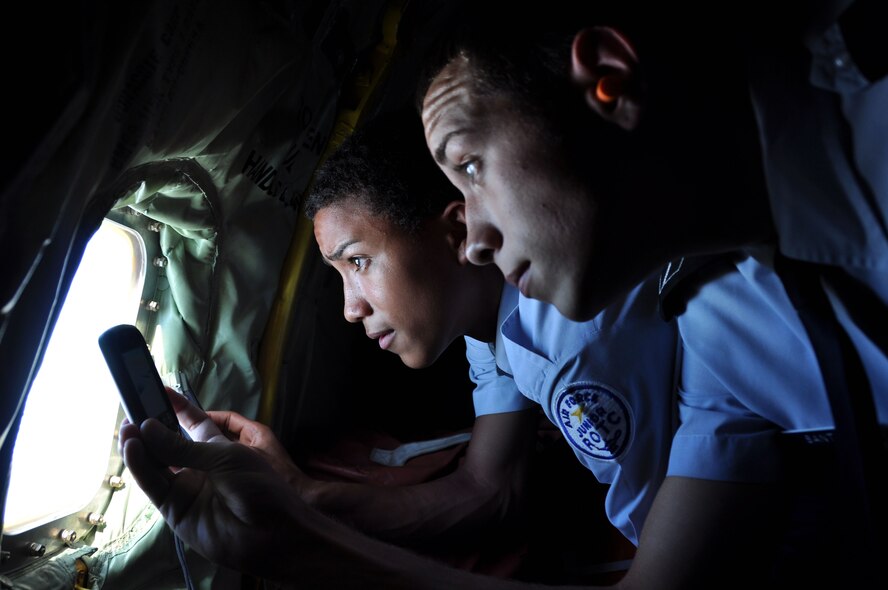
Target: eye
{"x": 359, "y": 262}
{"x": 470, "y": 168}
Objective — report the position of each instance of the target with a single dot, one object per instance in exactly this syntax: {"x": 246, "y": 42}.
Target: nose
{"x": 483, "y": 241}
{"x": 356, "y": 307}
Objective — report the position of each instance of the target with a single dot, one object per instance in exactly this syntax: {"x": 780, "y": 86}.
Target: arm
{"x": 487, "y": 486}
{"x": 212, "y": 504}
{"x": 230, "y": 505}
{"x": 703, "y": 533}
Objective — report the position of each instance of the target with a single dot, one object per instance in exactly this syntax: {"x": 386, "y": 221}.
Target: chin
{"x": 418, "y": 357}
{"x": 577, "y": 307}
{"x": 567, "y": 303}
{"x": 572, "y": 313}
{"x": 416, "y": 361}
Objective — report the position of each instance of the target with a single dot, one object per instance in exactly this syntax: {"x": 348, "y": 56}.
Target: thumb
{"x": 171, "y": 449}
{"x": 195, "y": 421}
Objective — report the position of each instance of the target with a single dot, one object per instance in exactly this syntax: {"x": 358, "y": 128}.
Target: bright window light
{"x": 61, "y": 453}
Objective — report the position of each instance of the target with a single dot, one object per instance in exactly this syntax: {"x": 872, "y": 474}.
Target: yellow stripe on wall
{"x": 274, "y": 340}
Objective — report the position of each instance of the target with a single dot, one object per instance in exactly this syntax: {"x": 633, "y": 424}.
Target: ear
{"x": 605, "y": 66}
{"x": 454, "y": 217}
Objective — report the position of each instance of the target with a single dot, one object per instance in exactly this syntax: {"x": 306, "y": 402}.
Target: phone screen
{"x": 141, "y": 370}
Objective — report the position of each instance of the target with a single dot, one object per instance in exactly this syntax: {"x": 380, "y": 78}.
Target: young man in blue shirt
{"x": 590, "y": 162}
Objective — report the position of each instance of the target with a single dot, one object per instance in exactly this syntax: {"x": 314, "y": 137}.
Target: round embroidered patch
{"x": 594, "y": 419}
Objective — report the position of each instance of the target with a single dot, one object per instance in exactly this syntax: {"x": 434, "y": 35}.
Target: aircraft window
{"x": 61, "y": 452}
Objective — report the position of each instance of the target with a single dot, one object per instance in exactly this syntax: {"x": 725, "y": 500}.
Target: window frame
{"x": 30, "y": 547}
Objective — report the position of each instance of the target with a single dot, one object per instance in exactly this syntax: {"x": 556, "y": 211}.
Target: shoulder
{"x": 682, "y": 279}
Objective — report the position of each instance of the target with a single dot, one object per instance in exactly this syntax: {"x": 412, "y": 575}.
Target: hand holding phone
{"x": 141, "y": 390}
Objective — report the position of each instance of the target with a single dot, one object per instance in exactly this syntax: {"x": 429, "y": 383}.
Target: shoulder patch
{"x": 595, "y": 419}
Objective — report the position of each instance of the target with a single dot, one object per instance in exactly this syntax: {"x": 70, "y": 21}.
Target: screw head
{"x": 96, "y": 518}
{"x": 35, "y": 549}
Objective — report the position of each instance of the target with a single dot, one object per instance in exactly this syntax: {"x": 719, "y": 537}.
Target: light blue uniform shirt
{"x": 748, "y": 373}
{"x": 606, "y": 383}
{"x": 824, "y": 134}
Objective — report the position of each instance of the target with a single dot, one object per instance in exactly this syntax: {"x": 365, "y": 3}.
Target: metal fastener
{"x": 96, "y": 518}
{"x": 68, "y": 536}
{"x": 116, "y": 482}
{"x": 35, "y": 549}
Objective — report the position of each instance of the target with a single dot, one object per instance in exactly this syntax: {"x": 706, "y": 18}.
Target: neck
{"x": 711, "y": 218}
{"x": 485, "y": 300}
{"x": 703, "y": 182}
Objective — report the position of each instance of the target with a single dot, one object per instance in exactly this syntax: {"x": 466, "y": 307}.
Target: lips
{"x": 520, "y": 278}
{"x": 384, "y": 337}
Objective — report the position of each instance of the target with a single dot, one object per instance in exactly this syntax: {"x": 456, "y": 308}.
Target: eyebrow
{"x": 337, "y": 254}
{"x": 440, "y": 151}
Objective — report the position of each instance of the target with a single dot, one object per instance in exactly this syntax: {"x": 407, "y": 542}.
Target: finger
{"x": 239, "y": 428}
{"x": 151, "y": 477}
{"x": 127, "y": 431}
{"x": 178, "y": 400}
{"x": 221, "y": 419}
{"x": 257, "y": 435}
{"x": 194, "y": 420}
{"x": 164, "y": 445}
{"x": 173, "y": 450}
{"x": 173, "y": 494}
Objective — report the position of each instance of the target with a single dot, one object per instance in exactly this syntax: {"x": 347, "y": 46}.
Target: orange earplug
{"x": 609, "y": 88}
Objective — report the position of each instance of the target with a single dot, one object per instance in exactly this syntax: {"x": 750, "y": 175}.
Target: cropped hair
{"x": 524, "y": 52}
{"x": 525, "y": 56}
{"x": 386, "y": 167}
{"x": 531, "y": 68}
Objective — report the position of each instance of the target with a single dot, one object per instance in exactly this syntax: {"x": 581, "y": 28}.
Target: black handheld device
{"x": 141, "y": 390}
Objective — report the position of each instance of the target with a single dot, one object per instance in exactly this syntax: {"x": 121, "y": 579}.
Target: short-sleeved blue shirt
{"x": 748, "y": 373}
{"x": 606, "y": 383}
{"x": 823, "y": 126}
